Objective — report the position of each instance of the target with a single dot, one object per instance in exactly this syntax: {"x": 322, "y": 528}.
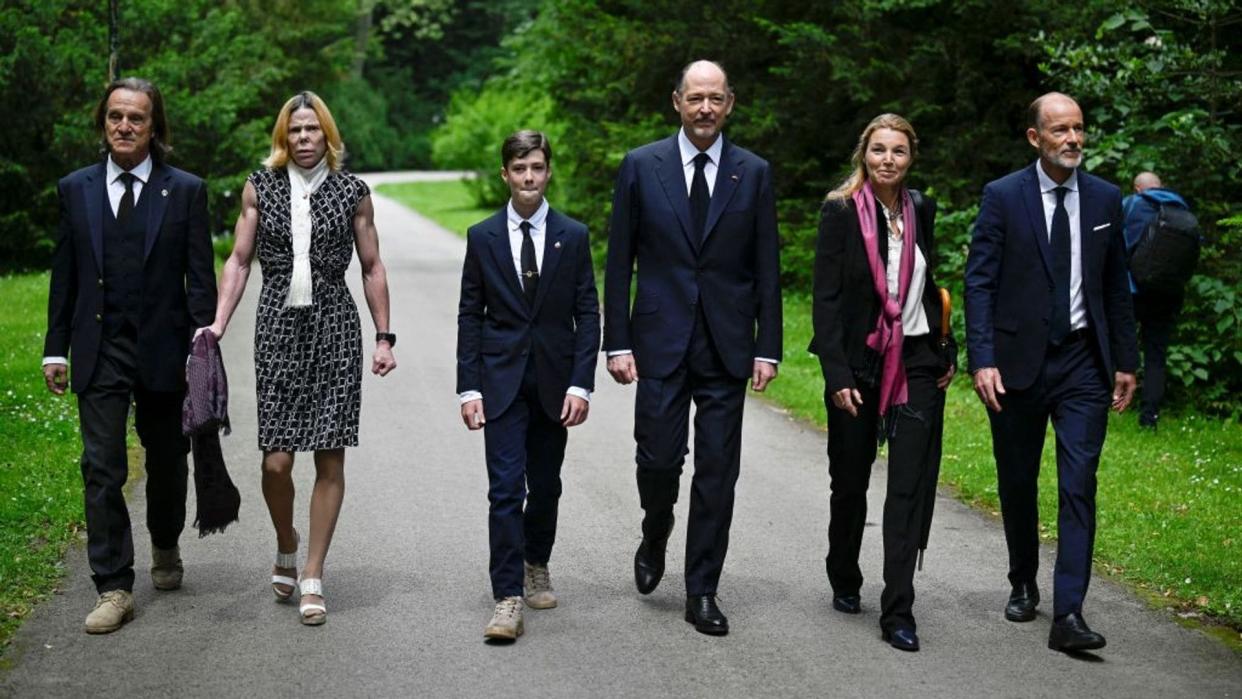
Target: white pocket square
{"x": 1101, "y": 226}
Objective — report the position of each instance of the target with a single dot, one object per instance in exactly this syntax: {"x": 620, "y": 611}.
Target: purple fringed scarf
{"x": 888, "y": 335}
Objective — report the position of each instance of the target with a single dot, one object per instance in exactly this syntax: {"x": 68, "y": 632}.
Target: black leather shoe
{"x": 1070, "y": 633}
{"x": 902, "y": 639}
{"x": 847, "y": 604}
{"x": 701, "y": 610}
{"x": 649, "y": 561}
{"x": 1022, "y": 602}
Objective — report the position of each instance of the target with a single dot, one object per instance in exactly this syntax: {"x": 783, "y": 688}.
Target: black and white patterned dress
{"x": 308, "y": 360}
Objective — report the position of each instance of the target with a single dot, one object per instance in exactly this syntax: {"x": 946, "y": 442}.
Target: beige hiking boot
{"x": 112, "y": 610}
{"x": 506, "y": 623}
{"x": 539, "y": 594}
{"x": 166, "y": 568}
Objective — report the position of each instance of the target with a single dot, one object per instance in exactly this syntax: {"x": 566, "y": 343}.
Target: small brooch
{"x": 557, "y": 244}
{"x": 163, "y": 192}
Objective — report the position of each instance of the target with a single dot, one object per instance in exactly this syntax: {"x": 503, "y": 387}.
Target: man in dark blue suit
{"x": 698, "y": 214}
{"x": 132, "y": 276}
{"x": 1050, "y": 333}
{"x": 527, "y": 342}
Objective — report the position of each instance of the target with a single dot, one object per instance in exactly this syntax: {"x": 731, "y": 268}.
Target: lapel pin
{"x": 557, "y": 244}
{"x": 164, "y": 192}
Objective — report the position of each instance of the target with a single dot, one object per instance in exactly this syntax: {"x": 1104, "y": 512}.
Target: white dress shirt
{"x": 688, "y": 153}
{"x": 1047, "y": 188}
{"x": 116, "y": 191}
{"x": 913, "y": 316}
{"x": 538, "y": 233}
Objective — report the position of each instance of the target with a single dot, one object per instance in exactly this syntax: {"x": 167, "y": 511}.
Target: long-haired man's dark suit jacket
{"x": 1009, "y": 296}
{"x": 703, "y": 311}
{"x": 124, "y": 317}
{"x": 523, "y": 359}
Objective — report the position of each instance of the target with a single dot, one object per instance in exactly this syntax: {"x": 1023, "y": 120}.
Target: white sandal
{"x": 286, "y": 560}
{"x": 313, "y": 613}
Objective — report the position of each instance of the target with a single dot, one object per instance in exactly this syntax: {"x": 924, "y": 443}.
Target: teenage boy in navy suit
{"x": 527, "y": 338}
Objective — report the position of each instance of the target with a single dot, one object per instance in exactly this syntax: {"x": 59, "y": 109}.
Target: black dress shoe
{"x": 701, "y": 610}
{"x": 649, "y": 560}
{"x": 902, "y": 639}
{"x": 1022, "y": 602}
{"x": 1070, "y": 633}
{"x": 847, "y": 604}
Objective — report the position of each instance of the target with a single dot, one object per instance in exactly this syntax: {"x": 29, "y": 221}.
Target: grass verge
{"x": 40, "y": 481}
{"x": 1169, "y": 522}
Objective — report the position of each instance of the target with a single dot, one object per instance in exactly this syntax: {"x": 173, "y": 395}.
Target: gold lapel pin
{"x": 164, "y": 192}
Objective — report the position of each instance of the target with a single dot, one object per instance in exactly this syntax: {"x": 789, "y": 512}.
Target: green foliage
{"x": 477, "y": 124}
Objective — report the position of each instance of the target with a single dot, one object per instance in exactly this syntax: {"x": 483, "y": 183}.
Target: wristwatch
{"x": 391, "y": 338}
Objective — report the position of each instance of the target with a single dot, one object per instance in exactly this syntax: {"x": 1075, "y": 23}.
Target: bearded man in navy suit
{"x": 527, "y": 344}
{"x": 1050, "y": 333}
{"x": 698, "y": 216}
{"x": 132, "y": 276}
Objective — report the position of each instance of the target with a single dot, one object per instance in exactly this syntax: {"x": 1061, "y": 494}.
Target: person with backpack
{"x": 1162, "y": 245}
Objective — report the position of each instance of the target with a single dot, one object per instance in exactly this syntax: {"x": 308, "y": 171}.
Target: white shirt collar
{"x": 142, "y": 171}
{"x": 689, "y": 150}
{"x": 536, "y": 220}
{"x": 1047, "y": 184}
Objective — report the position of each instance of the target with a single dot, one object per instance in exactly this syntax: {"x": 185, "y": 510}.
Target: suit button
{"x": 98, "y": 318}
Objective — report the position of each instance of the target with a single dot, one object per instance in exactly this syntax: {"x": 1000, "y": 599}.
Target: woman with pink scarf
{"x": 886, "y": 364}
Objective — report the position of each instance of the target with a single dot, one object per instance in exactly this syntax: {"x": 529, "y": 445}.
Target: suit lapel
{"x": 503, "y": 255}
{"x": 554, "y": 229}
{"x": 728, "y": 175}
{"x": 157, "y": 189}
{"x": 673, "y": 179}
{"x": 94, "y": 192}
{"x": 1034, "y": 202}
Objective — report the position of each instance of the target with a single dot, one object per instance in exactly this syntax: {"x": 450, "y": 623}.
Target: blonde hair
{"x": 858, "y": 175}
{"x": 306, "y": 99}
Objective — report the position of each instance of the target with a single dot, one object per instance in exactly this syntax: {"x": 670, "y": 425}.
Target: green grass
{"x": 448, "y": 203}
{"x": 1169, "y": 503}
{"x": 40, "y": 481}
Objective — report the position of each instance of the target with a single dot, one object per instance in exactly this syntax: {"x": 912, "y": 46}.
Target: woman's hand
{"x": 944, "y": 381}
{"x": 849, "y": 400}
{"x": 382, "y": 361}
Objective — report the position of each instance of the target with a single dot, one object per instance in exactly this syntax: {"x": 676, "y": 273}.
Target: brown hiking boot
{"x": 112, "y": 610}
{"x": 539, "y": 594}
{"x": 166, "y": 568}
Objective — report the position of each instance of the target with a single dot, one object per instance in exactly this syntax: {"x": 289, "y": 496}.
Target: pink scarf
{"x": 888, "y": 335}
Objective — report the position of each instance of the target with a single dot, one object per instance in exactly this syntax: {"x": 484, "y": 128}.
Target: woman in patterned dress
{"x": 304, "y": 216}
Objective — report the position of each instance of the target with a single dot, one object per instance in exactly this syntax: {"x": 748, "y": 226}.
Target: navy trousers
{"x": 661, "y": 432}
{"x": 103, "y": 410}
{"x": 1073, "y": 391}
{"x": 525, "y": 448}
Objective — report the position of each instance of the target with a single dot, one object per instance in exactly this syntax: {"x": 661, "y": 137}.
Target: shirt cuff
{"x": 55, "y": 360}
{"x": 618, "y": 353}
{"x": 769, "y": 361}
{"x": 467, "y": 396}
{"x": 579, "y": 392}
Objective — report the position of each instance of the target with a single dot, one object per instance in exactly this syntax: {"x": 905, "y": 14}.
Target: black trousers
{"x": 914, "y": 447}
{"x": 525, "y": 449}
{"x": 661, "y": 431}
{"x": 103, "y": 410}
{"x": 1156, "y": 319}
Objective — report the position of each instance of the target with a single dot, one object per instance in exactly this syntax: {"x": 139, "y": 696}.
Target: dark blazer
{"x": 734, "y": 274}
{"x": 1009, "y": 278}
{"x": 844, "y": 307}
{"x": 178, "y": 275}
{"x": 496, "y": 332}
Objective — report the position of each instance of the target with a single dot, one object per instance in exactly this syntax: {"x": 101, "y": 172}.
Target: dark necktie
{"x": 126, "y": 206}
{"x": 530, "y": 268}
{"x": 1060, "y": 322}
{"x": 699, "y": 196}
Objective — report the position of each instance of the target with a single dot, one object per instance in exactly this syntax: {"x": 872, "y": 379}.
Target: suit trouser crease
{"x": 103, "y": 412}
{"x": 661, "y": 422}
{"x": 1071, "y": 390}
{"x": 525, "y": 448}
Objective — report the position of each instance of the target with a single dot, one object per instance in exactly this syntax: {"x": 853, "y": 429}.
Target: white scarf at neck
{"x": 302, "y": 184}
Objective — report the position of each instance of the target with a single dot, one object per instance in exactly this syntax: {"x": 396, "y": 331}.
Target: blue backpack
{"x": 1165, "y": 256}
